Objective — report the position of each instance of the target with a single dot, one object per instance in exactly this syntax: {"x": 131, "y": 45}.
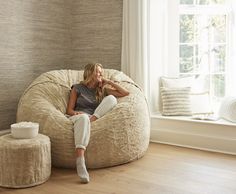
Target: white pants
{"x": 82, "y": 121}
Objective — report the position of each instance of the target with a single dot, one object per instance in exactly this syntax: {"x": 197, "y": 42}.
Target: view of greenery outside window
{"x": 204, "y": 42}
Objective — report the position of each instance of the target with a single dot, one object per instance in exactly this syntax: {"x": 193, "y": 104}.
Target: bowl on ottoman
{"x": 24, "y": 130}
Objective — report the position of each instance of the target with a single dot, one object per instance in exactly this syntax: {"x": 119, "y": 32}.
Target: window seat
{"x": 191, "y": 119}
{"x": 217, "y": 136}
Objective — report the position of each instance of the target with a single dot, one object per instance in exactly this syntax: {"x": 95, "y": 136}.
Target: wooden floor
{"x": 163, "y": 170}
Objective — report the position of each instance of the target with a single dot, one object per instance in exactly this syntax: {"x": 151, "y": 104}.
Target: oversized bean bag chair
{"x": 120, "y": 136}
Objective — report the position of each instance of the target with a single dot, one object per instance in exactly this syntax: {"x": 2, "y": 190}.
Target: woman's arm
{"x": 116, "y": 89}
{"x": 71, "y": 104}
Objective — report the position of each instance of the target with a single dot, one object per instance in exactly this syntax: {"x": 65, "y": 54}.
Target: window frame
{"x": 211, "y": 10}
{"x": 164, "y": 48}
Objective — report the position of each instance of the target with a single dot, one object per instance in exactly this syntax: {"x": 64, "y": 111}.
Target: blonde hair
{"x": 90, "y": 71}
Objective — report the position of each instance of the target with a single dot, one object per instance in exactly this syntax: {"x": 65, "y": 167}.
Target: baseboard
{"x": 3, "y": 132}
{"x": 204, "y": 136}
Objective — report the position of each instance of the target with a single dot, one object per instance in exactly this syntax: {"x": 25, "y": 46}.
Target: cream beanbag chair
{"x": 120, "y": 136}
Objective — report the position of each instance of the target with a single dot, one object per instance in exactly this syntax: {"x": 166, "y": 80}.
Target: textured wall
{"x": 38, "y": 36}
{"x": 96, "y": 32}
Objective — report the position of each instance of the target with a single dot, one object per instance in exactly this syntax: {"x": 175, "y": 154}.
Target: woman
{"x": 90, "y": 100}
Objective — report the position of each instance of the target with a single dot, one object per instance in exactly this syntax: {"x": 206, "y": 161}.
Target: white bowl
{"x": 24, "y": 130}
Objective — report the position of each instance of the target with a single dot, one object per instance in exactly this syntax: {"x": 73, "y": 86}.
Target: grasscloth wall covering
{"x": 38, "y": 36}
{"x": 97, "y": 32}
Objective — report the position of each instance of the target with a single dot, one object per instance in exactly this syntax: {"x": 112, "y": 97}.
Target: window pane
{"x": 202, "y": 29}
{"x": 218, "y": 59}
{"x": 210, "y": 28}
{"x": 197, "y": 58}
{"x": 210, "y": 2}
{"x": 203, "y": 2}
{"x": 186, "y": 2}
{"x": 218, "y": 86}
{"x": 217, "y": 28}
{"x": 186, "y": 28}
{"x": 186, "y": 59}
{"x": 203, "y": 66}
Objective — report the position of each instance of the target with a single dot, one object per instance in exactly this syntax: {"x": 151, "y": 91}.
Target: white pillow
{"x": 176, "y": 101}
{"x": 197, "y": 85}
{"x": 228, "y": 109}
{"x": 169, "y": 82}
{"x": 200, "y": 103}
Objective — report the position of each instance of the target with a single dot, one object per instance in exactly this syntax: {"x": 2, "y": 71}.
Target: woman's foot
{"x": 81, "y": 170}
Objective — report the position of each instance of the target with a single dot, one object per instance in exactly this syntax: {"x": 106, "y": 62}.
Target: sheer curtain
{"x": 145, "y": 45}
{"x": 158, "y": 49}
{"x": 232, "y": 80}
{"x": 134, "y": 60}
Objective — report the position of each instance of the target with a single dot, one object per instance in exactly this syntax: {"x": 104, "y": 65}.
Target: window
{"x": 193, "y": 37}
{"x": 204, "y": 43}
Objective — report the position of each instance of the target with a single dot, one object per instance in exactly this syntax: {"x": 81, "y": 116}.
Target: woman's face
{"x": 98, "y": 75}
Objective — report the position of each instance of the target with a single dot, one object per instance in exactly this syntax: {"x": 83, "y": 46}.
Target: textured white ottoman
{"x": 24, "y": 162}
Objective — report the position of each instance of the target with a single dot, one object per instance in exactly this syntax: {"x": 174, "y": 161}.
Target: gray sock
{"x": 81, "y": 170}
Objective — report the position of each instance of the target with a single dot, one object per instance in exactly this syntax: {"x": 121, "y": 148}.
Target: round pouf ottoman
{"x": 24, "y": 162}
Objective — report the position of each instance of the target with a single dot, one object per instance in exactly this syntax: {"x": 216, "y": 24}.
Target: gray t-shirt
{"x": 86, "y": 99}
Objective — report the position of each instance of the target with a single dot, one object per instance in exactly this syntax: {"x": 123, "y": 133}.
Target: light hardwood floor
{"x": 163, "y": 170}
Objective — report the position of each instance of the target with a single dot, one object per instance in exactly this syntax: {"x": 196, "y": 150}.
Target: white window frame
{"x": 213, "y": 10}
{"x": 175, "y": 9}
{"x": 164, "y": 48}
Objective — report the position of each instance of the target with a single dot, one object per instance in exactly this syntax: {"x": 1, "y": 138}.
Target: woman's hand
{"x": 114, "y": 89}
{"x": 78, "y": 112}
{"x": 104, "y": 81}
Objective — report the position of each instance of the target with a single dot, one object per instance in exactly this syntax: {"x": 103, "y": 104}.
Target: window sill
{"x": 190, "y": 119}
{"x": 217, "y": 136}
